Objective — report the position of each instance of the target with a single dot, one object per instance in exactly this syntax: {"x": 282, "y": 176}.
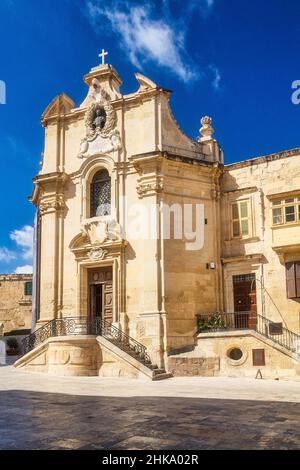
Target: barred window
{"x": 100, "y": 195}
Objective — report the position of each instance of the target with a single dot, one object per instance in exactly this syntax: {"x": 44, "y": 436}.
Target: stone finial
{"x": 206, "y": 130}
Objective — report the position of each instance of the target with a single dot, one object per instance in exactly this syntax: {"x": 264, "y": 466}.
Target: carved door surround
{"x": 90, "y": 257}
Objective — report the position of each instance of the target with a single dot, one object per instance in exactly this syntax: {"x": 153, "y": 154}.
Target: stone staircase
{"x": 117, "y": 343}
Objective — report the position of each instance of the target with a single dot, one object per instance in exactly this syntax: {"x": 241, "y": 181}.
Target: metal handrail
{"x": 278, "y": 333}
{"x": 70, "y": 326}
{"x": 122, "y": 340}
{"x": 56, "y": 327}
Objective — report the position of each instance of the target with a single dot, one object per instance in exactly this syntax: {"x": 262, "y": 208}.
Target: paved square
{"x": 46, "y": 412}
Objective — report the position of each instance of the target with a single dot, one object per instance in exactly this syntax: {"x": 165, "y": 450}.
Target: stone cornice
{"x": 15, "y": 277}
{"x": 49, "y": 182}
{"x": 258, "y": 257}
{"x": 249, "y": 189}
{"x": 88, "y": 252}
{"x": 130, "y": 100}
{"x": 263, "y": 159}
{"x": 283, "y": 194}
{"x": 147, "y": 157}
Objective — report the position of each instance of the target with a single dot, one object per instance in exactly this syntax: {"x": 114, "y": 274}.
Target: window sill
{"x": 98, "y": 218}
{"x": 290, "y": 224}
{"x": 243, "y": 240}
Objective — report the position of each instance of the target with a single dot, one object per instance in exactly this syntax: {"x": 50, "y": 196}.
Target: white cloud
{"x": 27, "y": 269}
{"x": 6, "y": 255}
{"x": 24, "y": 240}
{"x": 146, "y": 38}
{"x": 216, "y": 82}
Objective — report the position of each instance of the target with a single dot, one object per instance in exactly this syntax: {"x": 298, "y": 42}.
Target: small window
{"x": 293, "y": 279}
{"x": 235, "y": 354}
{"x": 258, "y": 357}
{"x": 286, "y": 211}
{"x": 28, "y": 288}
{"x": 290, "y": 215}
{"x": 277, "y": 216}
{"x": 100, "y": 194}
{"x": 275, "y": 329}
{"x": 241, "y": 219}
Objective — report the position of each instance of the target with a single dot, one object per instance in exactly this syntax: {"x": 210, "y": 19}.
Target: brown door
{"x": 101, "y": 294}
{"x": 244, "y": 292}
{"x": 96, "y": 300}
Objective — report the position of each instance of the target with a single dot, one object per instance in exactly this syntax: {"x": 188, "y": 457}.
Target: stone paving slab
{"x": 47, "y": 412}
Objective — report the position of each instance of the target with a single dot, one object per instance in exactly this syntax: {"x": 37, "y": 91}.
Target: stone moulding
{"x": 97, "y": 253}
{"x": 52, "y": 204}
{"x": 99, "y": 140}
{"x": 98, "y": 231}
{"x": 149, "y": 189}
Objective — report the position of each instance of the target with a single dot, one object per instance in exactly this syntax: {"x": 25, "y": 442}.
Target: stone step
{"x": 159, "y": 371}
{"x": 165, "y": 375}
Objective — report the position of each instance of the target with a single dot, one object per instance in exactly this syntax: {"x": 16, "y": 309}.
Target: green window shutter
{"x": 28, "y": 288}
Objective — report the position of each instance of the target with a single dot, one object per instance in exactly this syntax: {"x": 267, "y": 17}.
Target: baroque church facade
{"x": 122, "y": 284}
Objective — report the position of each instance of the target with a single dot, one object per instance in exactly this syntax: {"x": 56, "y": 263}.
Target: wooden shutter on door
{"x": 258, "y": 357}
{"x": 291, "y": 280}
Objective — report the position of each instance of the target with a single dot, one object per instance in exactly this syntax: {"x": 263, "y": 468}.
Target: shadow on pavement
{"x": 34, "y": 420}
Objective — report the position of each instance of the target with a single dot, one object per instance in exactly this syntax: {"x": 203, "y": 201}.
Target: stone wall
{"x": 15, "y": 306}
{"x": 211, "y": 357}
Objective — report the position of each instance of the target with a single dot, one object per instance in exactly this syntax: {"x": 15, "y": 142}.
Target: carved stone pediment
{"x": 59, "y": 106}
{"x": 87, "y": 247}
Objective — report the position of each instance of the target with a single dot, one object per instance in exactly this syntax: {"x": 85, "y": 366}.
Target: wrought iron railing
{"x": 279, "y": 334}
{"x": 70, "y": 326}
{"x": 57, "y": 327}
{"x": 214, "y": 322}
{"x": 122, "y": 340}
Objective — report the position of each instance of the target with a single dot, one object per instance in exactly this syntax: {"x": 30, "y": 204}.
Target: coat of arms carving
{"x": 100, "y": 121}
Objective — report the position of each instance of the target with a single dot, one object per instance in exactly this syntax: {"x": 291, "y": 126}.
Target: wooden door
{"x": 101, "y": 293}
{"x": 244, "y": 293}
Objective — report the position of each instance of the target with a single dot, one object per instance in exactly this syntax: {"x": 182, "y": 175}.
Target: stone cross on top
{"x": 102, "y": 55}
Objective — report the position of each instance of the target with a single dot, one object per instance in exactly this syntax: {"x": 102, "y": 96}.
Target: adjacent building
{"x": 16, "y": 302}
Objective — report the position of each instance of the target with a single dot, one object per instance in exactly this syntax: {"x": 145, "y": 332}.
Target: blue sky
{"x": 234, "y": 60}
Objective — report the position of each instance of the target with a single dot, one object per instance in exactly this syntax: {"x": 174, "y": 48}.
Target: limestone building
{"x": 15, "y": 302}
{"x": 153, "y": 257}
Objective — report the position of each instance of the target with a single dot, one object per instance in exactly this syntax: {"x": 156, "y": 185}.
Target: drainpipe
{"x": 262, "y": 234}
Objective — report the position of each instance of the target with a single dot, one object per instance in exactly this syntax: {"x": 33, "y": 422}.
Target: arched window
{"x": 100, "y": 195}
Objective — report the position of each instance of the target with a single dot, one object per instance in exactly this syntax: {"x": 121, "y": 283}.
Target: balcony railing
{"x": 276, "y": 332}
{"x": 212, "y": 322}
